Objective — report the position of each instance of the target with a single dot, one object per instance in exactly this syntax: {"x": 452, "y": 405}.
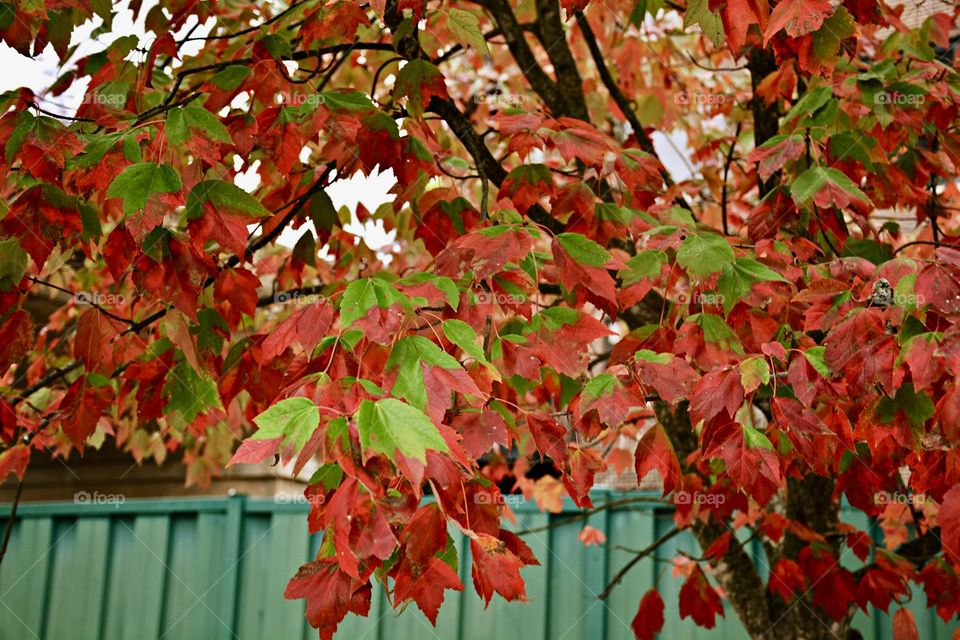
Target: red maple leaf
{"x": 496, "y": 569}
{"x": 904, "y": 625}
{"x": 425, "y": 586}
{"x": 330, "y": 593}
{"x": 655, "y": 451}
{"x": 798, "y": 18}
{"x": 649, "y": 619}
{"x": 787, "y": 579}
{"x": 481, "y": 431}
{"x": 304, "y": 328}
{"x": 14, "y": 460}
{"x": 699, "y": 600}
{"x": 949, "y": 520}
{"x": 549, "y": 436}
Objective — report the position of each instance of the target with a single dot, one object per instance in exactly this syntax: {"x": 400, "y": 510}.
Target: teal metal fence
{"x": 216, "y": 568}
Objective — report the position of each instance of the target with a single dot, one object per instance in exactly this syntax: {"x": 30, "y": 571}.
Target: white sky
{"x": 41, "y": 72}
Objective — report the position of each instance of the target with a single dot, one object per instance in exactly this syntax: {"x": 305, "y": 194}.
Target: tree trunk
{"x": 763, "y": 614}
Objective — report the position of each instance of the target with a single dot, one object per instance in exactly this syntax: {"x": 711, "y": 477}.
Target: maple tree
{"x": 773, "y": 340}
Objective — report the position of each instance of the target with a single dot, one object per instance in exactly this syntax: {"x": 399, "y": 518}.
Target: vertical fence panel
{"x": 23, "y": 579}
{"x": 628, "y": 531}
{"x": 78, "y": 583}
{"x": 506, "y": 619}
{"x": 134, "y": 606}
{"x": 196, "y": 567}
{"x": 274, "y": 546}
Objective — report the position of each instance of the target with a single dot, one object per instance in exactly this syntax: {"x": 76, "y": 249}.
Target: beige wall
{"x": 115, "y": 473}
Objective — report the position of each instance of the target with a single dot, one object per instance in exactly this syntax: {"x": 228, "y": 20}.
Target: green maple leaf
{"x": 183, "y": 122}
{"x": 293, "y": 419}
{"x": 698, "y": 12}
{"x": 139, "y": 181}
{"x": 13, "y": 263}
{"x": 362, "y": 295}
{"x": 189, "y": 392}
{"x": 704, "y": 254}
{"x": 826, "y": 40}
{"x": 389, "y": 425}
{"x": 716, "y": 331}
{"x": 466, "y": 29}
{"x": 407, "y": 354}
{"x": 418, "y": 81}
{"x": 225, "y": 197}
{"x": 230, "y": 78}
{"x": 583, "y": 249}
{"x": 809, "y": 183}
{"x": 739, "y": 277}
{"x": 753, "y": 373}
{"x": 461, "y": 334}
{"x": 816, "y": 356}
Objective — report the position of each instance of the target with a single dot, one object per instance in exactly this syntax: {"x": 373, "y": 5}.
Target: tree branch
{"x": 8, "y": 529}
{"x": 766, "y": 118}
{"x": 735, "y": 571}
{"x": 726, "y": 173}
{"x": 513, "y": 33}
{"x": 569, "y": 83}
{"x": 646, "y": 144}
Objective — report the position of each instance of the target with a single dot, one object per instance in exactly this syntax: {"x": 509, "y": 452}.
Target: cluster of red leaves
{"x": 531, "y": 320}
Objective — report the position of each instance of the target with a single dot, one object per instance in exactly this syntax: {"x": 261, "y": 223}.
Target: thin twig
{"x": 243, "y": 32}
{"x": 931, "y": 243}
{"x": 726, "y": 173}
{"x": 93, "y": 304}
{"x": 637, "y": 558}
{"x": 8, "y": 529}
{"x": 583, "y": 515}
{"x": 48, "y": 379}
{"x": 60, "y": 116}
